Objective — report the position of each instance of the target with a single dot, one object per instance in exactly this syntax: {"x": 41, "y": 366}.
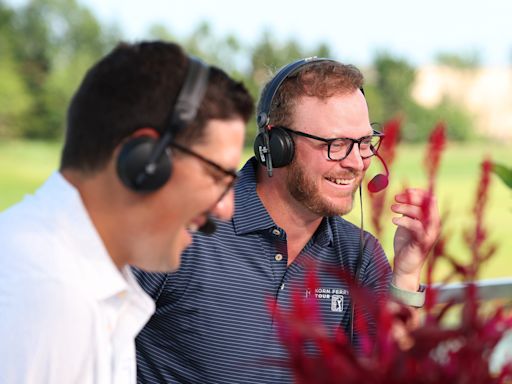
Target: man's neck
{"x": 298, "y": 222}
{"x": 102, "y": 204}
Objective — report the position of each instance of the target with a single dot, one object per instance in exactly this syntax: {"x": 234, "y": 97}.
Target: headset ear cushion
{"x": 132, "y": 160}
{"x": 259, "y": 142}
{"x": 282, "y": 147}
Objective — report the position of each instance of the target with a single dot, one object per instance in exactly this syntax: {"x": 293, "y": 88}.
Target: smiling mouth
{"x": 195, "y": 224}
{"x": 341, "y": 181}
{"x": 192, "y": 227}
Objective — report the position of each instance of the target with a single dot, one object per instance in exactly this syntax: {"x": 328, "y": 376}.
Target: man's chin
{"x": 169, "y": 264}
{"x": 341, "y": 208}
{"x": 345, "y": 211}
{"x": 174, "y": 258}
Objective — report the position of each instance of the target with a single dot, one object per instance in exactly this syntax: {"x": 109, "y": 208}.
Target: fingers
{"x": 413, "y": 196}
{"x": 405, "y": 321}
{"x": 420, "y": 215}
{"x": 413, "y": 225}
{"x": 411, "y": 211}
{"x": 418, "y": 204}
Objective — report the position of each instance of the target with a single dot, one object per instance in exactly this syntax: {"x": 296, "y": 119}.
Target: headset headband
{"x": 185, "y": 110}
{"x": 190, "y": 96}
{"x": 263, "y": 118}
{"x": 144, "y": 166}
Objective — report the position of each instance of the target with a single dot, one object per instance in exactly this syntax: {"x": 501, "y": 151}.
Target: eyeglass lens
{"x": 341, "y": 148}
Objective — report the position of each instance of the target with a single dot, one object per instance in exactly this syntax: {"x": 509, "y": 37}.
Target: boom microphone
{"x": 380, "y": 181}
{"x": 208, "y": 227}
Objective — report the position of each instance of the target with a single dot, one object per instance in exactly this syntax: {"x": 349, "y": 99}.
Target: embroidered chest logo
{"x": 337, "y": 303}
{"x": 335, "y": 297}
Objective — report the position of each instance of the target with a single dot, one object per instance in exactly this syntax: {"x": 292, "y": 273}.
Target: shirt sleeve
{"x": 46, "y": 333}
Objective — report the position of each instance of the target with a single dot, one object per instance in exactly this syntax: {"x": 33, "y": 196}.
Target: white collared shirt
{"x": 67, "y": 314}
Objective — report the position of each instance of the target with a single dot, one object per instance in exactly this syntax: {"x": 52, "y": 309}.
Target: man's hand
{"x": 418, "y": 230}
{"x": 405, "y": 320}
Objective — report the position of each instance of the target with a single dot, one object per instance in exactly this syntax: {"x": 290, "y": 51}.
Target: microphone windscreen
{"x": 378, "y": 183}
{"x": 208, "y": 227}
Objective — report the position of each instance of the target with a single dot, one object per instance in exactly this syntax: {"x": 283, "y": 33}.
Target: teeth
{"x": 341, "y": 181}
{"x": 192, "y": 227}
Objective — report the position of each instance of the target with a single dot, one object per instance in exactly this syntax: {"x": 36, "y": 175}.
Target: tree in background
{"x": 224, "y": 51}
{"x": 15, "y": 96}
{"x": 254, "y": 65}
{"x": 47, "y": 45}
{"x": 469, "y": 60}
{"x": 393, "y": 79}
{"x": 53, "y": 42}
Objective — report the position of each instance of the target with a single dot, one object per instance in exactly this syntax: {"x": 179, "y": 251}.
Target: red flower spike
{"x": 387, "y": 153}
{"x": 436, "y": 354}
{"x": 388, "y": 146}
{"x": 436, "y": 145}
{"x": 476, "y": 238}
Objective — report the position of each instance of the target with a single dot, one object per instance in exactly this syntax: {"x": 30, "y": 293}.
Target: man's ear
{"x": 146, "y": 131}
{"x": 152, "y": 133}
{"x": 143, "y": 162}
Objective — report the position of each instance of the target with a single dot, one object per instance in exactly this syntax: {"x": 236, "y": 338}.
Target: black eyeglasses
{"x": 229, "y": 174}
{"x": 339, "y": 148}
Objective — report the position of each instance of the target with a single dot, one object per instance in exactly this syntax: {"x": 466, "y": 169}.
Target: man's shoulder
{"x": 344, "y": 226}
{"x": 38, "y": 265}
{"x": 348, "y": 235}
{"x": 33, "y": 251}
{"x": 43, "y": 324}
{"x": 27, "y": 229}
{"x": 45, "y": 308}
{"x": 211, "y": 243}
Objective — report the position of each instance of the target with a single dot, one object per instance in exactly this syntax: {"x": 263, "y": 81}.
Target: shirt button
{"x": 282, "y": 286}
{"x": 278, "y": 257}
{"x": 276, "y": 232}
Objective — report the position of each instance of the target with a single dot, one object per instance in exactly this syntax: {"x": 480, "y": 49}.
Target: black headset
{"x": 144, "y": 163}
{"x": 274, "y": 147}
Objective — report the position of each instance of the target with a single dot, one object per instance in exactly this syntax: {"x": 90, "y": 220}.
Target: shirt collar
{"x": 252, "y": 216}
{"x": 97, "y": 272}
{"x": 250, "y": 213}
{"x": 323, "y": 235}
{"x": 139, "y": 298}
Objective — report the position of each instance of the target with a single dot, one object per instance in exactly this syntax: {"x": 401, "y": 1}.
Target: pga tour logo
{"x": 334, "y": 296}
{"x": 337, "y": 303}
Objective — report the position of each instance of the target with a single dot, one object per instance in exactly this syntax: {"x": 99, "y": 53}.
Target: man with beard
{"x": 213, "y": 323}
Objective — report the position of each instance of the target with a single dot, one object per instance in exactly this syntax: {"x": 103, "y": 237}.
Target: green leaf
{"x": 504, "y": 173}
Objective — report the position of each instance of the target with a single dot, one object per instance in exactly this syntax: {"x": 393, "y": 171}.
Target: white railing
{"x": 495, "y": 289}
{"x": 487, "y": 290}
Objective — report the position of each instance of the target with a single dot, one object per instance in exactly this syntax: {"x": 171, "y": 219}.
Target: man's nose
{"x": 354, "y": 159}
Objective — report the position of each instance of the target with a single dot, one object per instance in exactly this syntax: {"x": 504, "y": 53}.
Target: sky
{"x": 355, "y": 30}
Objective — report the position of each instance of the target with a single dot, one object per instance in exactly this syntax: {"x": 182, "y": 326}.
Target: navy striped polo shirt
{"x": 213, "y": 322}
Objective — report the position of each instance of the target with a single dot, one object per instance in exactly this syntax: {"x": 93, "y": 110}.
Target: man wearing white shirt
{"x": 152, "y": 143}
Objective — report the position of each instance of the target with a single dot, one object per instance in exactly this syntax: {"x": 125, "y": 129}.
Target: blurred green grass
{"x": 24, "y": 165}
{"x": 456, "y": 187}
